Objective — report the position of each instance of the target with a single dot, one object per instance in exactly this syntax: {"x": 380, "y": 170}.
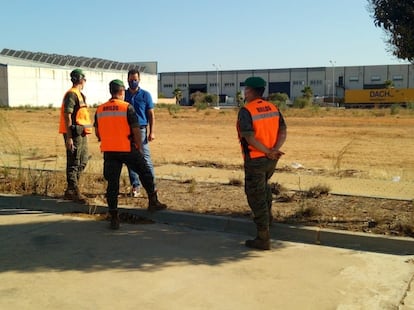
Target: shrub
{"x": 301, "y": 102}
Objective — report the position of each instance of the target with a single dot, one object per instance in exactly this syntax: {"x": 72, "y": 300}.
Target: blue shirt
{"x": 142, "y": 102}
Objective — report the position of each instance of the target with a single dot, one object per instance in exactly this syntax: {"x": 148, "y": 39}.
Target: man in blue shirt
{"x": 144, "y": 107}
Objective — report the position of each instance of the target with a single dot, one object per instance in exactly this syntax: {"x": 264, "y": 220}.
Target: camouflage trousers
{"x": 258, "y": 171}
{"x": 76, "y": 161}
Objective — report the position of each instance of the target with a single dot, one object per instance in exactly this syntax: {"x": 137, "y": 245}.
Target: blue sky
{"x": 191, "y": 35}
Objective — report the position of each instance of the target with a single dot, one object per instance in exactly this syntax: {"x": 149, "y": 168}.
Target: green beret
{"x": 77, "y": 73}
{"x": 255, "y": 82}
{"x": 117, "y": 82}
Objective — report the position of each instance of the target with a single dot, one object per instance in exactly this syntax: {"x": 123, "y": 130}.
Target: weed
{"x": 235, "y": 182}
{"x": 308, "y": 211}
{"x": 317, "y": 191}
{"x": 395, "y": 109}
{"x": 200, "y": 106}
{"x": 173, "y": 109}
{"x": 192, "y": 187}
{"x": 339, "y": 157}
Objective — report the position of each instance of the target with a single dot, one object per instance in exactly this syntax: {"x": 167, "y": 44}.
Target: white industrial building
{"x": 324, "y": 81}
{"x": 40, "y": 79}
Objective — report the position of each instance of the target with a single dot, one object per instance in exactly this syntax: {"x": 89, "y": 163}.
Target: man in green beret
{"x": 75, "y": 125}
{"x": 117, "y": 128}
{"x": 262, "y": 132}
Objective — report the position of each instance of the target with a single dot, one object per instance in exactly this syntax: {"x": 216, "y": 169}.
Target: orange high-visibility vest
{"x": 82, "y": 116}
{"x": 265, "y": 118}
{"x": 113, "y": 127}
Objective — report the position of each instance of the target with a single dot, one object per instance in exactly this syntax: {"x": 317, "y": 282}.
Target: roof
{"x": 18, "y": 57}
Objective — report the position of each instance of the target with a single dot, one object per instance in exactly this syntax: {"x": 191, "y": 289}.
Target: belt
{"x": 142, "y": 127}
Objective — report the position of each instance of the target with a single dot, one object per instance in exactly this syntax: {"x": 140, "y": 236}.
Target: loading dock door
{"x": 192, "y": 88}
{"x": 279, "y": 87}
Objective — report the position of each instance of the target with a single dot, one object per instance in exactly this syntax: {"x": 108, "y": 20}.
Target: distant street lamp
{"x": 333, "y": 62}
{"x": 217, "y": 84}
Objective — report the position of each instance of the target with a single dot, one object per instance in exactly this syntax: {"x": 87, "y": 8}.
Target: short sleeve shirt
{"x": 142, "y": 102}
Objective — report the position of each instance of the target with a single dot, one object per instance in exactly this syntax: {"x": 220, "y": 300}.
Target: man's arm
{"x": 151, "y": 122}
{"x": 136, "y": 138}
{"x": 134, "y": 125}
{"x": 95, "y": 125}
{"x": 69, "y": 102}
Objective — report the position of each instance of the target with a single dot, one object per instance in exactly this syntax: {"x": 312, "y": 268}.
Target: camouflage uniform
{"x": 75, "y": 161}
{"x": 259, "y": 195}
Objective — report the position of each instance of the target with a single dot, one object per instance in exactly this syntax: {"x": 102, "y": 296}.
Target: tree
{"x": 396, "y": 17}
{"x": 389, "y": 84}
{"x": 239, "y": 98}
{"x": 178, "y": 94}
{"x": 307, "y": 92}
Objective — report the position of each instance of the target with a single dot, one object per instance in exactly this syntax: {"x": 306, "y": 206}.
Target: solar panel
{"x": 106, "y": 64}
{"x": 37, "y": 57}
{"x": 73, "y": 61}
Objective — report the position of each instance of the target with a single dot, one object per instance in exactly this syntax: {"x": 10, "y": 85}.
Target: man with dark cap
{"x": 262, "y": 132}
{"x": 75, "y": 125}
{"x": 117, "y": 128}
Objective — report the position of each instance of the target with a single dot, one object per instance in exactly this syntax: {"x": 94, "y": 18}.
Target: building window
{"x": 316, "y": 82}
{"x": 299, "y": 83}
{"x": 213, "y": 84}
{"x": 375, "y": 78}
{"x": 397, "y": 78}
{"x": 184, "y": 85}
{"x": 228, "y": 84}
{"x": 353, "y": 79}
{"x": 168, "y": 86}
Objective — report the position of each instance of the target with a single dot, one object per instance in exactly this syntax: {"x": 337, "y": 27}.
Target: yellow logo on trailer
{"x": 373, "y": 96}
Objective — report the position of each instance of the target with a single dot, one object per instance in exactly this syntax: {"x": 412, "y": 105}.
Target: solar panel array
{"x": 72, "y": 61}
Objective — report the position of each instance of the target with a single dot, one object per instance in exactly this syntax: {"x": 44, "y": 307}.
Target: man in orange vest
{"x": 262, "y": 132}
{"x": 117, "y": 128}
{"x": 75, "y": 125}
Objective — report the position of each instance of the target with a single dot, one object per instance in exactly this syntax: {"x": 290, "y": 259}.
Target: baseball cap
{"x": 77, "y": 73}
{"x": 117, "y": 82}
{"x": 255, "y": 82}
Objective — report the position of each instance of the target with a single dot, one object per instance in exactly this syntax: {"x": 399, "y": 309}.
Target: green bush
{"x": 173, "y": 109}
{"x": 200, "y": 106}
{"x": 301, "y": 102}
{"x": 395, "y": 109}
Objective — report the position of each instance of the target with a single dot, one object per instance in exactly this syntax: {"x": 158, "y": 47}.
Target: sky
{"x": 196, "y": 35}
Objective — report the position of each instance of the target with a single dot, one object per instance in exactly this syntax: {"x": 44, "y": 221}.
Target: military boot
{"x": 74, "y": 195}
{"x": 261, "y": 242}
{"x": 114, "y": 219}
{"x": 270, "y": 217}
{"x": 78, "y": 197}
{"x": 154, "y": 204}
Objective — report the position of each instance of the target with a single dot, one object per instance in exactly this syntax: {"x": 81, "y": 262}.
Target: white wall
{"x": 38, "y": 86}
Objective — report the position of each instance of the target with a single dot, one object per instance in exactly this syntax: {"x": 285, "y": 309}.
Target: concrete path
{"x": 49, "y": 260}
{"x": 401, "y": 190}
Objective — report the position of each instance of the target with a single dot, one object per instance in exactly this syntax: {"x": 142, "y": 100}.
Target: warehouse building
{"x": 329, "y": 81}
{"x": 40, "y": 79}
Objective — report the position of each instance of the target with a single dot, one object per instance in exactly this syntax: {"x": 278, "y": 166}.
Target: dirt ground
{"x": 369, "y": 144}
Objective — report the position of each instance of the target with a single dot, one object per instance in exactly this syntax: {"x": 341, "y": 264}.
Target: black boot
{"x": 261, "y": 242}
{"x": 270, "y": 217}
{"x": 114, "y": 219}
{"x": 154, "y": 204}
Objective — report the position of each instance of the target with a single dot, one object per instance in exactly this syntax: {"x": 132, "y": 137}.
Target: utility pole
{"x": 333, "y": 62}
{"x": 217, "y": 83}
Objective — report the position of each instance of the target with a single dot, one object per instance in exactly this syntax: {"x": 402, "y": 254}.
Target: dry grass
{"x": 372, "y": 144}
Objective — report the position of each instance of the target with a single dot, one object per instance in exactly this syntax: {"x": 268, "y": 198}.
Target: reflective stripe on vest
{"x": 113, "y": 126}
{"x": 265, "y": 118}
{"x": 82, "y": 116}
